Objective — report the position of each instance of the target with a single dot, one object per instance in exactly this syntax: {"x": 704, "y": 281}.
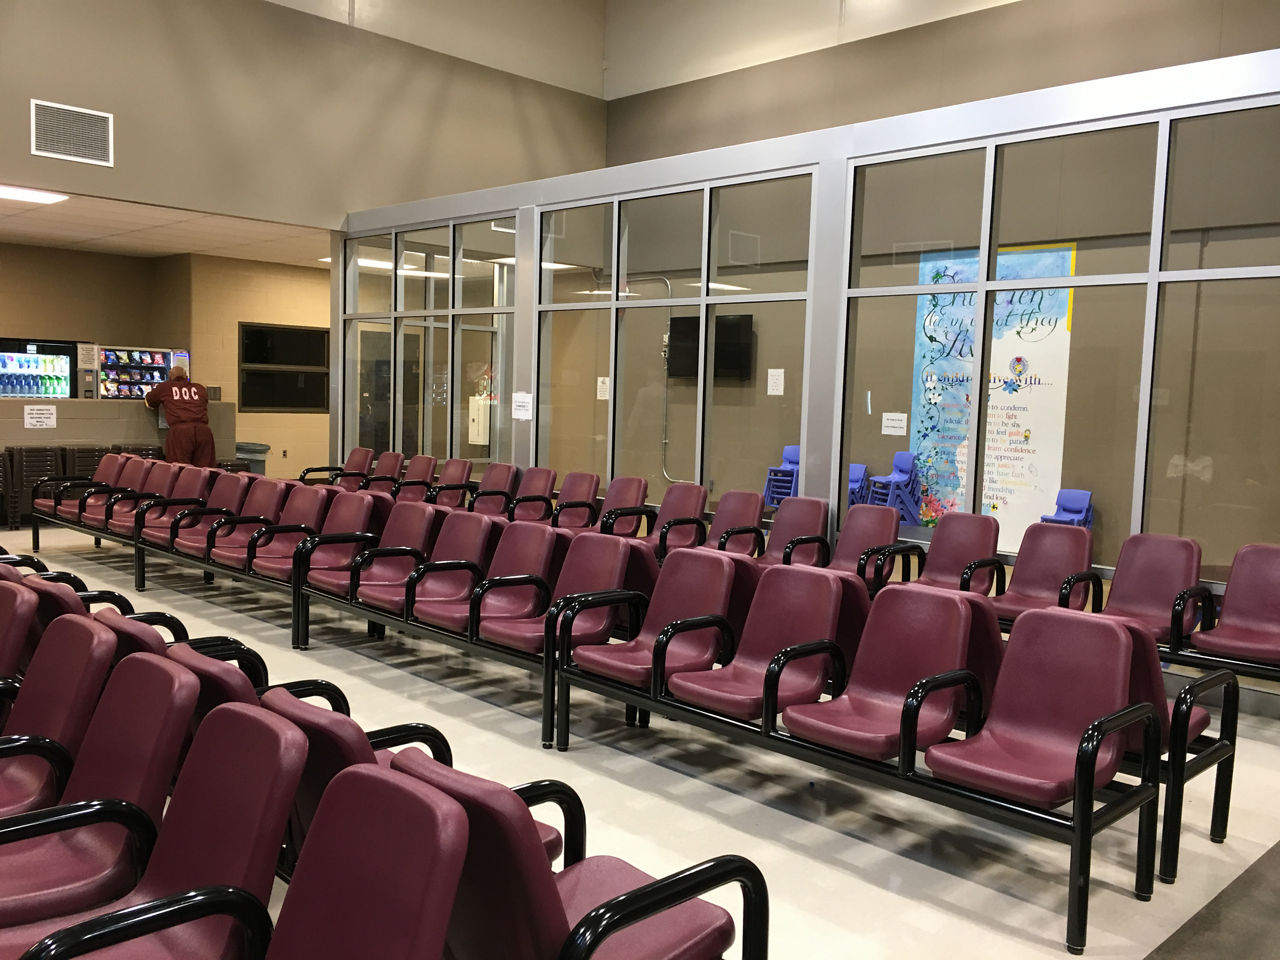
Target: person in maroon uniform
{"x": 186, "y": 407}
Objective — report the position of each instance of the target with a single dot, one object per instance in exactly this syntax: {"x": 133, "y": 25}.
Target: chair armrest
{"x": 330, "y": 693}
{"x": 824, "y": 549}
{"x": 529, "y": 498}
{"x": 1198, "y": 595}
{"x": 143, "y": 919}
{"x": 503, "y": 583}
{"x": 335, "y": 477}
{"x": 366, "y": 557}
{"x": 133, "y": 496}
{"x": 401, "y": 484}
{"x": 61, "y": 492}
{"x": 505, "y": 495}
{"x": 305, "y": 548}
{"x": 867, "y": 554}
{"x": 658, "y": 688}
{"x": 1092, "y": 739}
{"x": 64, "y": 576}
{"x": 914, "y": 701}
{"x": 264, "y": 535}
{"x": 966, "y": 575}
{"x": 421, "y": 571}
{"x": 330, "y": 470}
{"x": 700, "y": 533}
{"x": 1180, "y": 717}
{"x": 164, "y": 503}
{"x": 228, "y": 523}
{"x": 571, "y": 809}
{"x": 50, "y": 751}
{"x": 103, "y": 489}
{"x": 773, "y": 675}
{"x": 232, "y": 650}
{"x": 434, "y": 492}
{"x": 373, "y": 478}
{"x": 159, "y": 618}
{"x": 593, "y": 512}
{"x": 24, "y": 560}
{"x": 64, "y": 479}
{"x": 795, "y": 542}
{"x": 71, "y": 816}
{"x": 185, "y": 515}
{"x": 9, "y": 689}
{"x": 403, "y": 734}
{"x": 670, "y": 891}
{"x": 568, "y": 607}
{"x": 119, "y": 601}
{"x": 904, "y": 550}
{"x": 1095, "y": 589}
{"x": 611, "y": 517}
{"x": 756, "y": 533}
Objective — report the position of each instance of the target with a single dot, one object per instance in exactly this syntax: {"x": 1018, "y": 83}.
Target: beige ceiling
{"x": 138, "y": 230}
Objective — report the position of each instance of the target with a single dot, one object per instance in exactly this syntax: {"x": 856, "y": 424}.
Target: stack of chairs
{"x": 859, "y": 485}
{"x": 25, "y": 466}
{"x": 899, "y": 488}
{"x": 783, "y": 480}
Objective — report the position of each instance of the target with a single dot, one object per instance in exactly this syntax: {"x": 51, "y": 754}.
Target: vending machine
{"x": 129, "y": 373}
{"x": 37, "y": 368}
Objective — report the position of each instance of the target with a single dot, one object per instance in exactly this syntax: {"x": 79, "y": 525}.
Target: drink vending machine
{"x": 37, "y": 368}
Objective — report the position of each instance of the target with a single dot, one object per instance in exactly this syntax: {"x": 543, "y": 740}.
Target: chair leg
{"x": 642, "y": 719}
{"x": 208, "y": 576}
{"x": 562, "y": 711}
{"x": 630, "y": 715}
{"x": 1172, "y": 829}
{"x": 1222, "y": 799}
{"x": 35, "y": 533}
{"x": 1144, "y": 874}
{"x": 139, "y": 569}
{"x": 97, "y": 541}
{"x": 548, "y": 697}
{"x": 301, "y": 620}
{"x": 1078, "y": 884}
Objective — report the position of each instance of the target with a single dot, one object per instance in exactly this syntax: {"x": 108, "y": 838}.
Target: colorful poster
{"x": 1026, "y": 400}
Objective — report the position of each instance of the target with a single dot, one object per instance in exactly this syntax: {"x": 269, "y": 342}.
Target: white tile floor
{"x": 852, "y": 870}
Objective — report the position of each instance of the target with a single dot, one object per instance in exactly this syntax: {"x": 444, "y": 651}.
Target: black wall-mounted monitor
{"x": 734, "y": 347}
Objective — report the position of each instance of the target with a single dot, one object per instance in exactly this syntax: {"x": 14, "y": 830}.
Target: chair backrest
{"x": 108, "y": 469}
{"x": 534, "y": 482}
{"x": 791, "y": 606}
{"x": 17, "y": 621}
{"x": 265, "y": 498}
{"x": 388, "y": 464}
{"x": 409, "y": 524}
{"x": 625, "y": 492}
{"x": 791, "y": 455}
{"x": 691, "y": 583}
{"x": 582, "y": 487}
{"x": 1152, "y": 569}
{"x": 228, "y": 491}
{"x": 220, "y": 682}
{"x": 865, "y": 525}
{"x": 958, "y": 540}
{"x": 1252, "y": 599}
{"x": 904, "y": 463}
{"x": 134, "y": 474}
{"x": 505, "y": 870}
{"x": 1049, "y": 553}
{"x": 358, "y": 460}
{"x": 380, "y": 504}
{"x": 304, "y": 505}
{"x": 53, "y": 600}
{"x": 496, "y": 476}
{"x": 420, "y": 467}
{"x": 230, "y": 804}
{"x": 593, "y": 562}
{"x": 1073, "y": 503}
{"x": 522, "y": 548}
{"x": 453, "y": 471}
{"x": 190, "y": 482}
{"x": 62, "y": 685}
{"x": 681, "y": 500}
{"x": 986, "y": 640}
{"x": 161, "y": 478}
{"x": 797, "y": 517}
{"x": 132, "y": 636}
{"x": 397, "y": 872}
{"x": 1146, "y": 682}
{"x": 463, "y": 536}
{"x": 737, "y": 508}
{"x": 1062, "y": 670}
{"x": 349, "y": 513}
{"x": 131, "y": 747}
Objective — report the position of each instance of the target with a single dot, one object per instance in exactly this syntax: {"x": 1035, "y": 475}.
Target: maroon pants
{"x": 190, "y": 443}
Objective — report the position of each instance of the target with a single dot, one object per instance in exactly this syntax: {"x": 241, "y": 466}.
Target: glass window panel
{"x": 660, "y": 246}
{"x": 1213, "y": 459}
{"x": 573, "y": 420}
{"x": 657, "y": 396}
{"x": 912, "y": 207}
{"x": 912, "y": 356}
{"x": 1088, "y": 191}
{"x": 292, "y": 390}
{"x": 487, "y": 263}
{"x": 368, "y": 384}
{"x": 424, "y": 389}
{"x": 483, "y": 388}
{"x": 1223, "y": 207}
{"x": 1061, "y": 407}
{"x": 755, "y": 379}
{"x": 760, "y": 237}
{"x": 424, "y": 269}
{"x": 577, "y": 254}
{"x": 369, "y": 264}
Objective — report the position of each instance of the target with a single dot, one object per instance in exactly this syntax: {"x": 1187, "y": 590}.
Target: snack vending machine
{"x": 37, "y": 368}
{"x": 128, "y": 373}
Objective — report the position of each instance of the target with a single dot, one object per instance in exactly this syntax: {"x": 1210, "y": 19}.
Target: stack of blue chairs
{"x": 1074, "y": 507}
{"x": 784, "y": 480}
{"x": 900, "y": 489}
{"x": 859, "y": 487}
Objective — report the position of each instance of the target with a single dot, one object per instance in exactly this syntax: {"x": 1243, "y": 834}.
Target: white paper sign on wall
{"x": 777, "y": 381}
{"x": 86, "y": 354}
{"x": 42, "y": 417}
{"x": 893, "y": 424}
{"x": 521, "y": 406}
{"x": 602, "y": 388}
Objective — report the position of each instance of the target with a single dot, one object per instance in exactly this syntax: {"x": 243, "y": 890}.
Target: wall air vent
{"x": 72, "y": 133}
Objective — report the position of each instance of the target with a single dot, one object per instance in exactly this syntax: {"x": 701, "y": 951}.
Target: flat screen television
{"x": 734, "y": 347}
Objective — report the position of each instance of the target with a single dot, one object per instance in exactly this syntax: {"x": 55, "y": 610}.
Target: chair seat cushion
{"x": 867, "y": 726}
{"x": 451, "y": 615}
{"x": 1200, "y": 720}
{"x": 695, "y": 930}
{"x": 42, "y": 505}
{"x": 388, "y": 597}
{"x": 275, "y": 567}
{"x": 26, "y": 783}
{"x": 121, "y": 522}
{"x": 159, "y": 535}
{"x": 336, "y": 580}
{"x": 1011, "y": 603}
{"x": 1244, "y": 642}
{"x": 95, "y": 516}
{"x": 227, "y": 556}
{"x": 632, "y": 662}
{"x": 736, "y": 691}
{"x": 59, "y": 874}
{"x": 525, "y": 634}
{"x": 194, "y": 546}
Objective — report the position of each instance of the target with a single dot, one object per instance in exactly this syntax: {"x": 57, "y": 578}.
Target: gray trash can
{"x": 255, "y": 454}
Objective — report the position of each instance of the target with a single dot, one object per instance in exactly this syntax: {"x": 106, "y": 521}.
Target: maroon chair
{"x": 1063, "y": 687}
{"x": 419, "y": 475}
{"x": 53, "y": 600}
{"x": 576, "y": 503}
{"x": 532, "y": 501}
{"x": 685, "y": 617}
{"x": 218, "y": 524}
{"x": 1048, "y": 554}
{"x": 93, "y": 502}
{"x": 986, "y": 638}
{"x": 122, "y": 508}
{"x": 737, "y": 509}
{"x": 51, "y": 711}
{"x": 385, "y": 473}
{"x": 315, "y": 540}
{"x": 129, "y": 753}
{"x": 494, "y": 491}
{"x": 910, "y": 636}
{"x": 676, "y": 523}
{"x": 70, "y": 488}
{"x": 302, "y": 514}
{"x": 222, "y": 828}
{"x": 1247, "y": 628}
{"x": 349, "y": 475}
{"x": 525, "y": 550}
{"x": 867, "y": 530}
{"x": 405, "y": 543}
{"x": 622, "y": 493}
{"x": 958, "y": 540}
{"x": 397, "y": 870}
{"x": 458, "y": 561}
{"x": 1151, "y": 571}
{"x": 506, "y": 874}
{"x": 793, "y": 606}
{"x": 153, "y": 521}
{"x": 453, "y": 485}
{"x": 17, "y": 622}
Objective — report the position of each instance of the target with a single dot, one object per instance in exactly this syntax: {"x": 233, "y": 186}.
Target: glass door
{"x": 423, "y": 401}
{"x": 368, "y": 376}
